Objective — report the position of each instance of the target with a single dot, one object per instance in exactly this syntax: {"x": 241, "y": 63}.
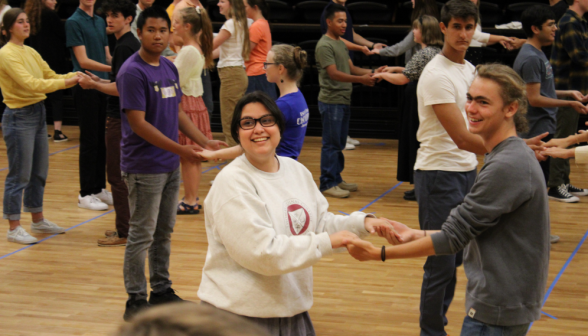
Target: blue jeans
{"x": 335, "y": 118}
{"x": 153, "y": 201}
{"x": 437, "y": 193}
{"x": 260, "y": 83}
{"x": 473, "y": 327}
{"x": 25, "y": 133}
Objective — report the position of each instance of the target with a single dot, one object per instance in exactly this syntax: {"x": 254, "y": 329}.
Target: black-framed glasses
{"x": 265, "y": 64}
{"x": 248, "y": 123}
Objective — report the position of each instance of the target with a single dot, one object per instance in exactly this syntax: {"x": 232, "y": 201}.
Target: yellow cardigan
{"x": 25, "y": 77}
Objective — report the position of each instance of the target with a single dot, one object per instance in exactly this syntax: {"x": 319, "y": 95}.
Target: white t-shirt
{"x": 442, "y": 82}
{"x": 231, "y": 50}
{"x": 265, "y": 231}
{"x": 190, "y": 63}
{"x": 479, "y": 39}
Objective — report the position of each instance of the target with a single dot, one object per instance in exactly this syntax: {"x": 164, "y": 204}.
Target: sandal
{"x": 187, "y": 209}
{"x": 197, "y": 199}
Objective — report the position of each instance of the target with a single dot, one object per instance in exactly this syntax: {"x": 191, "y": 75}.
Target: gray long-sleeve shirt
{"x": 407, "y": 46}
{"x": 503, "y": 225}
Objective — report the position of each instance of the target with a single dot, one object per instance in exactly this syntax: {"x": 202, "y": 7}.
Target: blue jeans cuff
{"x": 12, "y": 216}
{"x": 32, "y": 210}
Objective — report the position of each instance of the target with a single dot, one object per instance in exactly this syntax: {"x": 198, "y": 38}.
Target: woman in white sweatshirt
{"x": 267, "y": 224}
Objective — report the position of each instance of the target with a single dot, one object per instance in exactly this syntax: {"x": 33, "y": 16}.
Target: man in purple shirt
{"x": 150, "y": 95}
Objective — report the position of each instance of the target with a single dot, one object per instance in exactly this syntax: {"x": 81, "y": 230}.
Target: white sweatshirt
{"x": 265, "y": 231}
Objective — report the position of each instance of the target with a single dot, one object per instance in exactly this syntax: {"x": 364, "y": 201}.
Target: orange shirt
{"x": 259, "y": 32}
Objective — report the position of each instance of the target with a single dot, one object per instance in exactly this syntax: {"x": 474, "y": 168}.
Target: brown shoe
{"x": 110, "y": 233}
{"x": 112, "y": 241}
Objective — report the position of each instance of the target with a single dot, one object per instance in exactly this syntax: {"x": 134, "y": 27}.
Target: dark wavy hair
{"x": 125, "y": 7}
{"x": 154, "y": 12}
{"x": 263, "y": 99}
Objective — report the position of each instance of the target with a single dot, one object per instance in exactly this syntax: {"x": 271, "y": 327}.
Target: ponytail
{"x": 200, "y": 22}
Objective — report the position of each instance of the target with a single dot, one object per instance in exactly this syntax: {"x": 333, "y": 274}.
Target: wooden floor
{"x": 67, "y": 285}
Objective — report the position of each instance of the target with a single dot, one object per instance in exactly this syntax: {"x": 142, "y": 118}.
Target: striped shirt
{"x": 569, "y": 56}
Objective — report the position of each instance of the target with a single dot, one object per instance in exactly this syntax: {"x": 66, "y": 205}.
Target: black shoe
{"x": 410, "y": 195}
{"x": 134, "y": 307}
{"x": 576, "y": 191}
{"x": 166, "y": 297}
{"x": 561, "y": 194}
{"x": 59, "y": 137}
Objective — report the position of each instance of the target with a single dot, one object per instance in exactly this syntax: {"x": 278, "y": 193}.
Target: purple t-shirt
{"x": 156, "y": 91}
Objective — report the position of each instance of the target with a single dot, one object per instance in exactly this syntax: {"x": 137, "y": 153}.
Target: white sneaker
{"x": 211, "y": 182}
{"x": 91, "y": 202}
{"x": 46, "y": 226}
{"x": 105, "y": 196}
{"x": 352, "y": 141}
{"x": 20, "y": 236}
{"x": 349, "y": 146}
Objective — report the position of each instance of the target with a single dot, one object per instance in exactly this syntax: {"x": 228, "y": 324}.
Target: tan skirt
{"x": 195, "y": 110}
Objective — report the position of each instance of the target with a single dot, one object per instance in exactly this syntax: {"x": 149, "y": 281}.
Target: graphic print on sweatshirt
{"x": 296, "y": 215}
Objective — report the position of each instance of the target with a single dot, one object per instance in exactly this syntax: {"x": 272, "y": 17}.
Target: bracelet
{"x": 373, "y": 44}
{"x": 373, "y": 70}
{"x": 383, "y": 254}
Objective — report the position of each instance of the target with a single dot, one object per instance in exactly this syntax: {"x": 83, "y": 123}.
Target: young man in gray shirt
{"x": 534, "y": 67}
{"x": 503, "y": 223}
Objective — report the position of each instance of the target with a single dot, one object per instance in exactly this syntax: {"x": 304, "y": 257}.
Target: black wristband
{"x": 373, "y": 44}
{"x": 373, "y": 70}
{"x": 383, "y": 255}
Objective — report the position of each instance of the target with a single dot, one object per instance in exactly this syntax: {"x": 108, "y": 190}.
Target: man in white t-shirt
{"x": 446, "y": 163}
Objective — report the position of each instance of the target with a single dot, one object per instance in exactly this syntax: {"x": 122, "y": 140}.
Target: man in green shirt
{"x": 336, "y": 75}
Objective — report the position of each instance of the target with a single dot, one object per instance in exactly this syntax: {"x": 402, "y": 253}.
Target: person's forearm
{"x": 472, "y": 143}
{"x": 358, "y": 39}
{"x": 542, "y": 101}
{"x": 564, "y": 94}
{"x": 106, "y": 87}
{"x": 414, "y": 249}
{"x": 89, "y": 64}
{"x": 352, "y": 46}
{"x": 152, "y": 135}
{"x": 228, "y": 153}
{"x": 190, "y": 130}
{"x": 494, "y": 39}
{"x": 357, "y": 71}
{"x": 340, "y": 76}
{"x": 395, "y": 78}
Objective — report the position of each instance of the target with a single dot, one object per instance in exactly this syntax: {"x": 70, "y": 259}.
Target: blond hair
{"x": 512, "y": 89}
{"x": 292, "y": 58}
{"x": 431, "y": 34}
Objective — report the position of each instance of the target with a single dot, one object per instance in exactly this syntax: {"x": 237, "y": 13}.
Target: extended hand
{"x": 403, "y": 233}
{"x": 579, "y": 107}
{"x": 561, "y": 143}
{"x": 338, "y": 238}
{"x": 382, "y": 227}
{"x": 366, "y": 51}
{"x": 209, "y": 155}
{"x": 215, "y": 144}
{"x": 86, "y": 82}
{"x": 379, "y": 46}
{"x": 362, "y": 250}
{"x": 92, "y": 76}
{"x": 191, "y": 153}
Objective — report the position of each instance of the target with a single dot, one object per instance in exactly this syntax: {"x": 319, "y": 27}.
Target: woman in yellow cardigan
{"x": 24, "y": 80}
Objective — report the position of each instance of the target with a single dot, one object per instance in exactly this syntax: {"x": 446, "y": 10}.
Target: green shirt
{"x": 90, "y": 32}
{"x": 328, "y": 52}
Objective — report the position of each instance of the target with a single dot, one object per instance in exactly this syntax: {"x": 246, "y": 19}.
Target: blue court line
{"x": 345, "y": 213}
{"x": 558, "y": 276}
{"x": 89, "y": 220}
{"x": 63, "y": 150}
{"x": 553, "y": 317}
{"x": 57, "y": 234}
{"x": 377, "y": 199}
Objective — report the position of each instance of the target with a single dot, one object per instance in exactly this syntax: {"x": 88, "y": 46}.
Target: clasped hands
{"x": 394, "y": 232}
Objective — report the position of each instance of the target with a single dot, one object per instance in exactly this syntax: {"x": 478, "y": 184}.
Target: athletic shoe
{"x": 561, "y": 194}
{"x": 576, "y": 191}
{"x": 46, "y": 226}
{"x": 336, "y": 192}
{"x": 105, "y": 196}
{"x": 59, "y": 137}
{"x": 134, "y": 307}
{"x": 211, "y": 182}
{"x": 20, "y": 236}
{"x": 91, "y": 202}
{"x": 348, "y": 186}
{"x": 112, "y": 241}
{"x": 49, "y": 136}
{"x": 166, "y": 297}
{"x": 349, "y": 146}
{"x": 352, "y": 141}
{"x": 410, "y": 195}
{"x": 553, "y": 239}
